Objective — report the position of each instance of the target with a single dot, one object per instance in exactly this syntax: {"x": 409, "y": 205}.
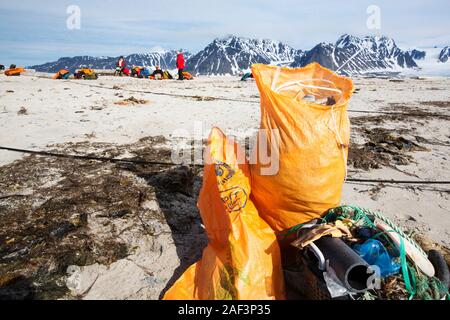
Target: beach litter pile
{"x": 324, "y": 250}
{"x": 354, "y": 253}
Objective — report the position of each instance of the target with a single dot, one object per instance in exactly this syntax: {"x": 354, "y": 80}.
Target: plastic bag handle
{"x": 299, "y": 83}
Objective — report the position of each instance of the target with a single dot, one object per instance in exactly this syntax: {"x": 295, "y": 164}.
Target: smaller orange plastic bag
{"x": 242, "y": 260}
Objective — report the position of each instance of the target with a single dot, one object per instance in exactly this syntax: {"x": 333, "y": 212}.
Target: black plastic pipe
{"x": 440, "y": 266}
{"x": 350, "y": 268}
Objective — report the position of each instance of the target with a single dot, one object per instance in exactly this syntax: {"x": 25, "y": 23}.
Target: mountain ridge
{"x": 230, "y": 54}
{"x": 163, "y": 58}
{"x": 355, "y": 55}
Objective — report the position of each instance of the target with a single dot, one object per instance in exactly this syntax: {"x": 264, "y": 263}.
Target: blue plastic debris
{"x": 374, "y": 253}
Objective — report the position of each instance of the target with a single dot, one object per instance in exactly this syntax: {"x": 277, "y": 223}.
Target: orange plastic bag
{"x": 14, "y": 72}
{"x": 311, "y": 140}
{"x": 187, "y": 76}
{"x": 242, "y": 259}
{"x": 60, "y": 73}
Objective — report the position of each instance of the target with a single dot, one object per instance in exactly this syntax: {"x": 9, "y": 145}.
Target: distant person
{"x": 135, "y": 71}
{"x": 120, "y": 66}
{"x": 180, "y": 64}
{"x": 158, "y": 73}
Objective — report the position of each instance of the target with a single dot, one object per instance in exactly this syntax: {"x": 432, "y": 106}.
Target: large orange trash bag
{"x": 242, "y": 259}
{"x": 310, "y": 138}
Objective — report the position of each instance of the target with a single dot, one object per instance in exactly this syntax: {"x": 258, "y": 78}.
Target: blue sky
{"x": 33, "y": 32}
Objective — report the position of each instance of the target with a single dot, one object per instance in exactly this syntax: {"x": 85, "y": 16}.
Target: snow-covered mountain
{"x": 417, "y": 54}
{"x": 353, "y": 55}
{"x": 165, "y": 59}
{"x": 72, "y": 63}
{"x": 350, "y": 55}
{"x": 233, "y": 55}
{"x": 436, "y": 62}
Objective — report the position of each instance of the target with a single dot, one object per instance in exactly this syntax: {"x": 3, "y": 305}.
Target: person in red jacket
{"x": 180, "y": 64}
{"x": 120, "y": 66}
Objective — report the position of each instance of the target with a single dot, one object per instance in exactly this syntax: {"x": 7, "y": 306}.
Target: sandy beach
{"x": 143, "y": 221}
